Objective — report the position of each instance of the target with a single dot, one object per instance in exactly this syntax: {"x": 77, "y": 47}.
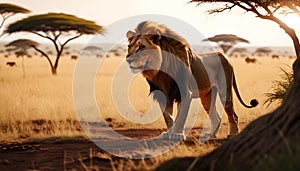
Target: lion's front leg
{"x": 167, "y": 111}
{"x": 178, "y": 128}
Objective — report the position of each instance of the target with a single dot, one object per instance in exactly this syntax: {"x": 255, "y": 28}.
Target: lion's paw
{"x": 205, "y": 137}
{"x": 173, "y": 136}
{"x": 164, "y": 135}
{"x": 177, "y": 136}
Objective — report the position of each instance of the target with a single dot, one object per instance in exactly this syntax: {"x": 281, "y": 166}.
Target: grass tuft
{"x": 280, "y": 88}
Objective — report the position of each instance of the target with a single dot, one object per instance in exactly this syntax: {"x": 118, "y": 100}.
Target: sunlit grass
{"x": 42, "y": 96}
{"x": 39, "y": 107}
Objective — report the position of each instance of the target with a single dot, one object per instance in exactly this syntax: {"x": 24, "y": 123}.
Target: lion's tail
{"x": 253, "y": 102}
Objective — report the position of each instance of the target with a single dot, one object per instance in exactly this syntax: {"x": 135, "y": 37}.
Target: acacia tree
{"x": 238, "y": 50}
{"x": 21, "y": 47}
{"x": 59, "y": 28}
{"x": 270, "y": 142}
{"x": 226, "y": 41}
{"x": 8, "y": 10}
{"x": 263, "y": 50}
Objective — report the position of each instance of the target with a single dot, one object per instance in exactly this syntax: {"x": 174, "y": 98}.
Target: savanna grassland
{"x": 37, "y": 107}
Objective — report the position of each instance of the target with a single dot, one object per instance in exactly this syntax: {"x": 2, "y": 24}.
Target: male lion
{"x": 170, "y": 66}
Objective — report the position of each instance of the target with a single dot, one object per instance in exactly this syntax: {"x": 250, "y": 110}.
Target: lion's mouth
{"x": 140, "y": 67}
{"x": 136, "y": 70}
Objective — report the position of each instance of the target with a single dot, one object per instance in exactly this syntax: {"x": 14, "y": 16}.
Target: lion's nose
{"x": 129, "y": 60}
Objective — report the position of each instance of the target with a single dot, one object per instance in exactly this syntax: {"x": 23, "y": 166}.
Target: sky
{"x": 259, "y": 32}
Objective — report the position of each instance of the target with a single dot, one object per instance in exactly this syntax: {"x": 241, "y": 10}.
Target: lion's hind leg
{"x": 209, "y": 103}
{"x": 232, "y": 118}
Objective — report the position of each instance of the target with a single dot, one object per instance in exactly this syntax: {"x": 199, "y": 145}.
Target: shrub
{"x": 280, "y": 88}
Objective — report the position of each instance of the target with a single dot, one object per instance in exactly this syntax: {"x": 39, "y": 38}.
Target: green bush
{"x": 280, "y": 88}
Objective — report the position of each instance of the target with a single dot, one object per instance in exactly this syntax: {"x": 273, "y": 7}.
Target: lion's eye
{"x": 142, "y": 47}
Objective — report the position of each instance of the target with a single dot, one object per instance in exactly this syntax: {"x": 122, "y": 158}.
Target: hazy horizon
{"x": 259, "y": 32}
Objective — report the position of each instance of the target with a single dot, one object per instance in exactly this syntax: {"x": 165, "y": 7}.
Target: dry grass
{"x": 41, "y": 96}
{"x": 40, "y": 105}
{"x": 37, "y": 97}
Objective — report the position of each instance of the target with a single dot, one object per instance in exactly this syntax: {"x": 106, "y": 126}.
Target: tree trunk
{"x": 53, "y": 68}
{"x": 225, "y": 48}
{"x": 54, "y": 71}
{"x": 56, "y": 61}
{"x": 23, "y": 67}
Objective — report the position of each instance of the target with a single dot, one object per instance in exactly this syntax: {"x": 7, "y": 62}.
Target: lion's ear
{"x": 155, "y": 37}
{"x": 130, "y": 34}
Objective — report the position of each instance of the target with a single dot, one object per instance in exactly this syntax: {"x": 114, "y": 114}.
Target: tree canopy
{"x": 226, "y": 41}
{"x": 92, "y": 48}
{"x": 265, "y": 50}
{"x": 22, "y": 44}
{"x": 260, "y": 7}
{"x": 230, "y": 38}
{"x": 264, "y": 9}
{"x": 52, "y": 22}
{"x": 59, "y": 28}
{"x": 12, "y": 9}
{"x": 8, "y": 10}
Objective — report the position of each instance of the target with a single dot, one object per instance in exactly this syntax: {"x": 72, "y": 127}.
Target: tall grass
{"x": 281, "y": 88}
{"x": 42, "y": 97}
{"x": 38, "y": 100}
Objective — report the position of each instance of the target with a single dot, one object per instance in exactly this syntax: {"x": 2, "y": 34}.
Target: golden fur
{"x": 168, "y": 64}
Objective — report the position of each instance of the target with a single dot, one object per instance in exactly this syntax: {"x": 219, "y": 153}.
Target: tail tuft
{"x": 253, "y": 103}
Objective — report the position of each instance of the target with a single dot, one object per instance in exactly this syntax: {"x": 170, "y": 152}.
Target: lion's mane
{"x": 176, "y": 52}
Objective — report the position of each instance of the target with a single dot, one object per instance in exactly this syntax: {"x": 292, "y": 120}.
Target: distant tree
{"x": 241, "y": 51}
{"x": 271, "y": 142}
{"x": 21, "y": 47}
{"x": 226, "y": 41}
{"x": 8, "y": 10}
{"x": 21, "y": 44}
{"x": 91, "y": 50}
{"x": 59, "y": 28}
{"x": 263, "y": 50}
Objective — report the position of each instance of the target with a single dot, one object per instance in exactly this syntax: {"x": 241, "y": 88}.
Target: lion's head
{"x": 152, "y": 47}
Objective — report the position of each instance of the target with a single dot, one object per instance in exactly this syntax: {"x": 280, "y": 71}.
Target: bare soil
{"x": 79, "y": 153}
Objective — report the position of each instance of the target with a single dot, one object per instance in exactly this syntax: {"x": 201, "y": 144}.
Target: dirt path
{"x": 79, "y": 153}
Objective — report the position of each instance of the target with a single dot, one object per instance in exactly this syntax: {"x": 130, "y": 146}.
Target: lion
{"x": 170, "y": 66}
